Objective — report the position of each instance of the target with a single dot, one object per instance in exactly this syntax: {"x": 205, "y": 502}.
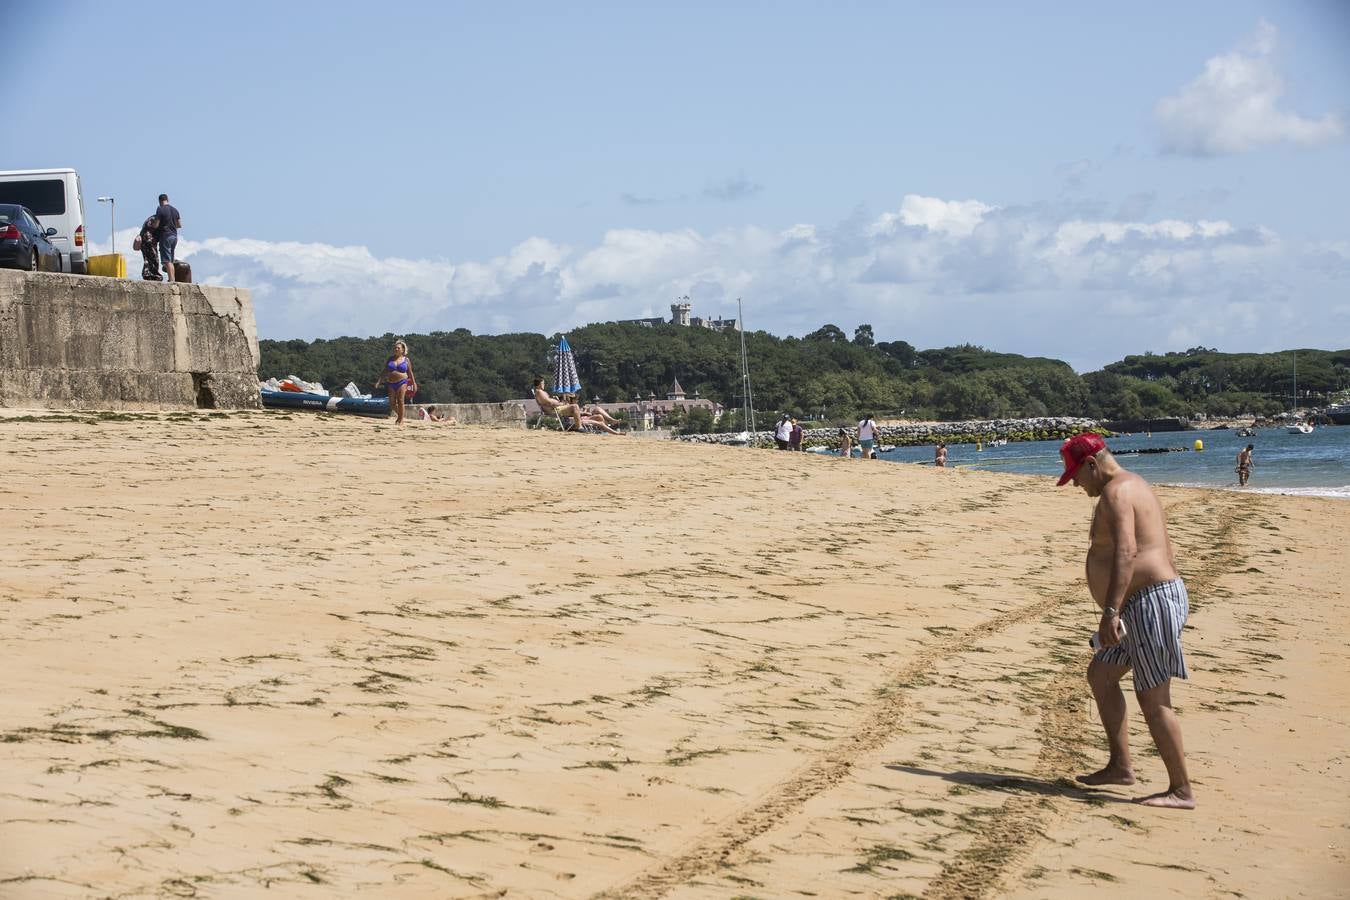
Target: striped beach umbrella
{"x": 565, "y": 378}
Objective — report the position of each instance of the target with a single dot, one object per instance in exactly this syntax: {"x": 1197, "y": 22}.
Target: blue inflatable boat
{"x": 319, "y": 403}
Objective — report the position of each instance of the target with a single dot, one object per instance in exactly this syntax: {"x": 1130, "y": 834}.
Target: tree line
{"x": 827, "y": 375}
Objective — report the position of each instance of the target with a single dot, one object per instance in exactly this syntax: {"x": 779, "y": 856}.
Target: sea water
{"x": 1316, "y": 464}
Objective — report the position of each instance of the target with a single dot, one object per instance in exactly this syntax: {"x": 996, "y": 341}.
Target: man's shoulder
{"x": 1129, "y": 489}
{"x": 1124, "y": 480}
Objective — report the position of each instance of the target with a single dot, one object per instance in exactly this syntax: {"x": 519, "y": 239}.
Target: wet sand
{"x": 289, "y": 655}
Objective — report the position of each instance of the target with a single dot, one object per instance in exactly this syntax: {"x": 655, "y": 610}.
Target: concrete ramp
{"x": 80, "y": 342}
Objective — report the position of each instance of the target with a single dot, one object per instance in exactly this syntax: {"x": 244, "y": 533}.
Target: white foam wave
{"x": 1339, "y": 493}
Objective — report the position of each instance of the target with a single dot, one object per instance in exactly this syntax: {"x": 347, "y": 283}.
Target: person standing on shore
{"x": 795, "y": 436}
{"x": 398, "y": 379}
{"x": 867, "y": 437}
{"x": 167, "y": 235}
{"x": 940, "y": 455}
{"x": 782, "y": 435}
{"x": 1132, "y": 576}
{"x": 1245, "y": 464}
{"x": 845, "y": 443}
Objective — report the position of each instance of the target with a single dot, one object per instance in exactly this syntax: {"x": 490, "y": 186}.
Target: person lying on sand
{"x": 429, "y": 414}
{"x": 596, "y": 411}
{"x": 1132, "y": 575}
{"x": 596, "y": 420}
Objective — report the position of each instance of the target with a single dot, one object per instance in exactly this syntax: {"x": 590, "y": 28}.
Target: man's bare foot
{"x": 1181, "y": 798}
{"x": 1109, "y": 775}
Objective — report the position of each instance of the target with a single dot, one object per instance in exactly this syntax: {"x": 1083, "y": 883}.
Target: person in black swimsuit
{"x": 398, "y": 379}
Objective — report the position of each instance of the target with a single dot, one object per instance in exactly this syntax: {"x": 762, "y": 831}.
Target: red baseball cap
{"x": 1075, "y": 450}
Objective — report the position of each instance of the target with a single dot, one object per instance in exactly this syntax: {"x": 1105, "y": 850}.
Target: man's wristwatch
{"x": 1110, "y": 611}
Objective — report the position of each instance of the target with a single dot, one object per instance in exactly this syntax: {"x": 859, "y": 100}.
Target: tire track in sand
{"x": 1009, "y": 836}
{"x": 885, "y": 719}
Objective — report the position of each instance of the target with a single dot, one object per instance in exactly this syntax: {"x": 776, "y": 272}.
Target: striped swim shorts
{"x": 1153, "y": 618}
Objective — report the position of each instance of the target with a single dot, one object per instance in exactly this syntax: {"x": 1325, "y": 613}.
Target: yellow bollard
{"x": 109, "y": 265}
{"x": 1199, "y": 444}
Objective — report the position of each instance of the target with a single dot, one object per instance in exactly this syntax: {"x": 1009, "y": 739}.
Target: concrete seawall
{"x": 509, "y": 414}
{"x": 78, "y": 342}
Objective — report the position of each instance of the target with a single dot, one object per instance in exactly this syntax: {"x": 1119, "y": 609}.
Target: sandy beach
{"x": 270, "y": 655}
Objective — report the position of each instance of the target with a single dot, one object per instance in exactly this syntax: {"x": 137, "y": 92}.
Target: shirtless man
{"x": 548, "y": 404}
{"x": 1244, "y": 464}
{"x": 940, "y": 455}
{"x": 1132, "y": 576}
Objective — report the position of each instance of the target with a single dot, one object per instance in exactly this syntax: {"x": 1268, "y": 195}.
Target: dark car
{"x": 24, "y": 242}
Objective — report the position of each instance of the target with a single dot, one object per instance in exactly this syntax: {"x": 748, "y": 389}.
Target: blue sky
{"x": 1071, "y": 180}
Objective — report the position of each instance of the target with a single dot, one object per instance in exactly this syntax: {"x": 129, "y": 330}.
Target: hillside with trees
{"x": 827, "y": 374}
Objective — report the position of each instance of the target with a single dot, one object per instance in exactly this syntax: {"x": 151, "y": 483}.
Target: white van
{"x": 53, "y": 195}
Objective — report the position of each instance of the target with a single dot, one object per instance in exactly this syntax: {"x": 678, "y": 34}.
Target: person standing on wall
{"x": 169, "y": 223}
{"x": 146, "y": 243}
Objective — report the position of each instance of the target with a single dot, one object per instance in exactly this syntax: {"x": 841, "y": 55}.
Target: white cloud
{"x": 1234, "y": 106}
{"x": 951, "y": 217}
{"x": 1034, "y": 280}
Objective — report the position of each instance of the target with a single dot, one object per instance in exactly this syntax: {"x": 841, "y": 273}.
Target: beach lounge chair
{"x": 543, "y": 417}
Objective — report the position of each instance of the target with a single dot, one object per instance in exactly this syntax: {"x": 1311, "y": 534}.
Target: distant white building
{"x": 679, "y": 315}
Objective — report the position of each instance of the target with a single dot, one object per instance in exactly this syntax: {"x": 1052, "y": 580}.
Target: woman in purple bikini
{"x": 399, "y": 379}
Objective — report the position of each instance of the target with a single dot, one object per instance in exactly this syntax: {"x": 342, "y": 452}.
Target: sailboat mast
{"x": 748, "y": 404}
{"x": 1295, "y": 382}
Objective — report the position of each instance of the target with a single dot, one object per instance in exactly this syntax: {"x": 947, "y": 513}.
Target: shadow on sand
{"x": 1016, "y": 784}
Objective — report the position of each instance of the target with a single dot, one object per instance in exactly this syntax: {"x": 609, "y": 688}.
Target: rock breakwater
{"x": 977, "y": 431}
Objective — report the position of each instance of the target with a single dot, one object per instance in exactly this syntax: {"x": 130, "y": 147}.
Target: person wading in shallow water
{"x": 1244, "y": 464}
{"x": 1132, "y": 576}
{"x": 867, "y": 437}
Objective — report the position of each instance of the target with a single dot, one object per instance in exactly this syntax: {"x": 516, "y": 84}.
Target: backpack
{"x": 149, "y": 225}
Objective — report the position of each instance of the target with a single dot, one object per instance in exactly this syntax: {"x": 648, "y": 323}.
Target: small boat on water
{"x": 374, "y": 408}
{"x": 1246, "y": 432}
{"x": 1301, "y": 428}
